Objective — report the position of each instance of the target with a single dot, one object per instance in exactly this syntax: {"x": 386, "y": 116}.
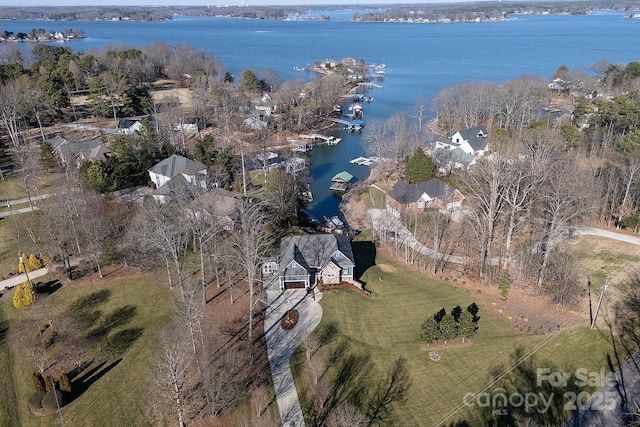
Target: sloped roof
{"x": 97, "y": 153}
{"x": 476, "y": 137}
{"x": 409, "y": 193}
{"x": 126, "y": 123}
{"x": 460, "y": 156}
{"x": 342, "y": 176}
{"x": 177, "y": 186}
{"x": 219, "y": 203}
{"x": 177, "y": 164}
{"x": 56, "y": 142}
{"x": 313, "y": 251}
{"x": 70, "y": 149}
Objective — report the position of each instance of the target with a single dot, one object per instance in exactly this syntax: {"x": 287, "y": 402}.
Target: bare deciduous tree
{"x": 172, "y": 377}
{"x": 565, "y": 201}
{"x": 251, "y": 244}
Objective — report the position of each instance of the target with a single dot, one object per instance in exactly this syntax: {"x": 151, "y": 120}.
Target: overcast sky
{"x": 201, "y": 2}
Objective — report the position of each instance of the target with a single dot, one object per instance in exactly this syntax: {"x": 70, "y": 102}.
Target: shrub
{"x": 31, "y": 262}
{"x": 49, "y": 400}
{"x": 38, "y": 381}
{"x": 65, "y": 383}
{"x": 504, "y": 285}
{"x": 23, "y": 296}
{"x": 35, "y": 400}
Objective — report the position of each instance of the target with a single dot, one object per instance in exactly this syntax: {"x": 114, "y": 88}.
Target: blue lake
{"x": 421, "y": 59}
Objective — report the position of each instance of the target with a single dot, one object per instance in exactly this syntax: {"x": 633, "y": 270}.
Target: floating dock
{"x": 364, "y": 161}
{"x": 330, "y": 140}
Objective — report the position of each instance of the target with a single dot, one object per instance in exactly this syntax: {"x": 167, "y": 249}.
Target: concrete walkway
{"x": 20, "y": 278}
{"x": 281, "y": 344}
{"x": 384, "y": 221}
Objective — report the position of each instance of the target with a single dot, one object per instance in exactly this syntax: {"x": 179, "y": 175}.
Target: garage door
{"x": 294, "y": 285}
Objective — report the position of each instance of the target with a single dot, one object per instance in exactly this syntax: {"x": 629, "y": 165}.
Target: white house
{"x": 473, "y": 141}
{"x": 192, "y": 171}
{"x": 129, "y": 126}
{"x": 190, "y": 124}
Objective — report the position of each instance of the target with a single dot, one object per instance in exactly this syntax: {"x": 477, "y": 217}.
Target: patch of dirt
{"x": 385, "y": 268}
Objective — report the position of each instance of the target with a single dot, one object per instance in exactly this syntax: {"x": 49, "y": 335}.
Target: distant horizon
{"x": 249, "y": 3}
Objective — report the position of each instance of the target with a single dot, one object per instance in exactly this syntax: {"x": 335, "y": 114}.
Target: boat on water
{"x": 354, "y": 125}
{"x": 333, "y": 225}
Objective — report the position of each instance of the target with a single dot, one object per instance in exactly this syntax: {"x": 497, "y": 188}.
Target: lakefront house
{"x": 309, "y": 259}
{"x": 416, "y": 197}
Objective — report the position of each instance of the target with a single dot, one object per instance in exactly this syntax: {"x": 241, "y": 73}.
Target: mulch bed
{"x": 323, "y": 287}
{"x": 289, "y": 320}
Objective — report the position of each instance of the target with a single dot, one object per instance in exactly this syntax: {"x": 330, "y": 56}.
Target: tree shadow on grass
{"x": 48, "y": 287}
{"x": 4, "y": 331}
{"x": 92, "y": 300}
{"x": 118, "y": 343}
{"x": 119, "y": 317}
{"x": 81, "y": 385}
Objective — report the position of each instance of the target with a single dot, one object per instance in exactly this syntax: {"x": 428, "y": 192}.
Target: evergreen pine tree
{"x": 504, "y": 285}
{"x": 466, "y": 326}
{"x": 419, "y": 168}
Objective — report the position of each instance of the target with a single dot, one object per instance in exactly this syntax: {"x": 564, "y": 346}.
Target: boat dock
{"x": 354, "y": 125}
{"x": 341, "y": 181}
{"x": 300, "y": 146}
{"x": 330, "y": 140}
{"x": 364, "y": 161}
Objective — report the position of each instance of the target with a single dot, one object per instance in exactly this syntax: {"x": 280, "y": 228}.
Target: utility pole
{"x": 595, "y": 317}
{"x": 25, "y": 269}
{"x": 589, "y": 293}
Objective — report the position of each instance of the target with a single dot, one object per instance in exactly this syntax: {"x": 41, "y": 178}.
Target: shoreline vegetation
{"x": 418, "y": 13}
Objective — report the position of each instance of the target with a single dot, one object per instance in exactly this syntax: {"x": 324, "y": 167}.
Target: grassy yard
{"x": 10, "y": 244}
{"x": 374, "y": 199}
{"x": 602, "y": 259}
{"x": 118, "y": 392}
{"x": 388, "y": 327}
{"x": 13, "y": 187}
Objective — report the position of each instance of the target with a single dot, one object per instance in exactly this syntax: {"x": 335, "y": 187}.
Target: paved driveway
{"x": 281, "y": 344}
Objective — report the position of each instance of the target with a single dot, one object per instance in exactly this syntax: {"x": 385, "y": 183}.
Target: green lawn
{"x": 120, "y": 394}
{"x": 374, "y": 199}
{"x": 388, "y": 326}
{"x": 13, "y": 187}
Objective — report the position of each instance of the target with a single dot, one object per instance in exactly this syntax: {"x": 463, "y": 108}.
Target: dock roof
{"x": 343, "y": 176}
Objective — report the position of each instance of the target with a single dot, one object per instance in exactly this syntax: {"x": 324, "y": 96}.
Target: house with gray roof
{"x": 309, "y": 259}
{"x": 416, "y": 197}
{"x": 447, "y": 160}
{"x": 473, "y": 141}
{"x": 217, "y": 206}
{"x": 192, "y": 171}
{"x": 71, "y": 152}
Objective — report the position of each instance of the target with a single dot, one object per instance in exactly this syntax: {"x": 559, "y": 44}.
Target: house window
{"x": 269, "y": 267}
{"x": 420, "y": 204}
{"x": 330, "y": 274}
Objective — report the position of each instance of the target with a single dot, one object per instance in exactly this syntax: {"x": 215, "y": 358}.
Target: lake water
{"x": 421, "y": 59}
